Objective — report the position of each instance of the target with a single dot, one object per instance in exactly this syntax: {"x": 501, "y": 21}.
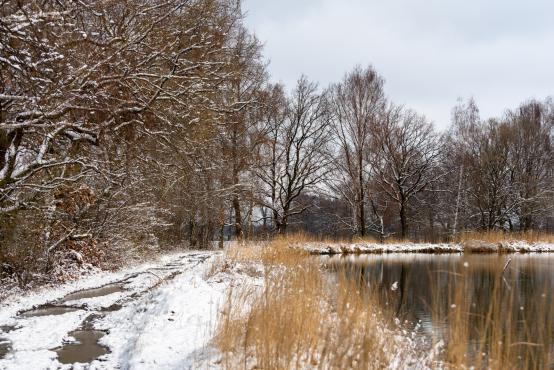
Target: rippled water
{"x": 478, "y": 297}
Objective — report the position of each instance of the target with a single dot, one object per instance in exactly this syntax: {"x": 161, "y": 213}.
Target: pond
{"x": 481, "y": 306}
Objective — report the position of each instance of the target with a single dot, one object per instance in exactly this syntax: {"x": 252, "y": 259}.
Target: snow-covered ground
{"x": 159, "y": 315}
{"x": 323, "y": 248}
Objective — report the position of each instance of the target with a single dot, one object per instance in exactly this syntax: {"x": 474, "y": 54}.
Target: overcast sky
{"x": 430, "y": 52}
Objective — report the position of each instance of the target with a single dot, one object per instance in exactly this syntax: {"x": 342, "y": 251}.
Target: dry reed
{"x": 497, "y": 236}
{"x": 490, "y": 326}
{"x": 304, "y": 317}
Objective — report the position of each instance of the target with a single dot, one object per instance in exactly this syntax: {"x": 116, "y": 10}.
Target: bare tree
{"x": 459, "y": 142}
{"x": 532, "y": 160}
{"x": 357, "y": 104}
{"x": 405, "y": 151}
{"x": 504, "y": 167}
{"x": 100, "y": 98}
{"x": 272, "y": 118}
{"x": 92, "y": 71}
{"x": 239, "y": 133}
{"x": 296, "y": 152}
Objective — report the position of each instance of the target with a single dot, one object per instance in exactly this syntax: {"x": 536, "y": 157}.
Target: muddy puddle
{"x": 94, "y": 293}
{"x": 85, "y": 349}
{"x": 5, "y": 345}
{"x": 113, "y": 308}
{"x": 7, "y": 328}
{"x": 48, "y": 310}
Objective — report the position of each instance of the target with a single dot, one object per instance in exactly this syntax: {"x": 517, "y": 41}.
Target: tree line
{"x": 134, "y": 123}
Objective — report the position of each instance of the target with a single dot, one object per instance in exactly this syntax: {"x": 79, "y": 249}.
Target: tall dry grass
{"x": 493, "y": 236}
{"x": 304, "y": 317}
{"x": 491, "y": 325}
{"x": 497, "y": 236}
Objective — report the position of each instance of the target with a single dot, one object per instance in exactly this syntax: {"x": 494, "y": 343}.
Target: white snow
{"x": 168, "y": 328}
{"x": 369, "y": 248}
{"x": 169, "y": 310}
{"x": 11, "y": 305}
{"x": 32, "y": 343}
{"x": 376, "y": 248}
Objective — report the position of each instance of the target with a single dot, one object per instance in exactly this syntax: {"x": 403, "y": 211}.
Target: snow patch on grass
{"x": 320, "y": 248}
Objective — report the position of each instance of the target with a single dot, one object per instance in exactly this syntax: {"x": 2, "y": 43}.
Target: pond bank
{"x": 302, "y": 316}
{"x": 473, "y": 246}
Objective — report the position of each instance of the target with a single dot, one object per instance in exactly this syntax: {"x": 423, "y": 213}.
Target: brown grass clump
{"x": 305, "y": 318}
{"x": 238, "y": 253}
{"x": 497, "y": 236}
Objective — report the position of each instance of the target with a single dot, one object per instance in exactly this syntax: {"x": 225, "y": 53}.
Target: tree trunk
{"x": 221, "y": 228}
{"x": 276, "y": 223}
{"x": 458, "y": 202}
{"x": 282, "y": 226}
{"x": 250, "y": 235}
{"x": 192, "y": 230}
{"x": 238, "y": 218}
{"x": 362, "y": 197}
{"x": 403, "y": 220}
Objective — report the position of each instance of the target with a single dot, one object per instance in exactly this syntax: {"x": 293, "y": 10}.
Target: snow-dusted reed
{"x": 472, "y": 246}
{"x": 302, "y": 317}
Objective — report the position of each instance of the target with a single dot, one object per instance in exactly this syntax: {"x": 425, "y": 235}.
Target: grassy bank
{"x": 488, "y": 242}
{"x": 303, "y": 317}
{"x": 299, "y": 315}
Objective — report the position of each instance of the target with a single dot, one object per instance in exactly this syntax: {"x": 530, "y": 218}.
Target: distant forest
{"x": 134, "y": 123}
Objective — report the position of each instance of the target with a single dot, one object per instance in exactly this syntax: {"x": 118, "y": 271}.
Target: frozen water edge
{"x": 166, "y": 327}
{"x": 376, "y": 248}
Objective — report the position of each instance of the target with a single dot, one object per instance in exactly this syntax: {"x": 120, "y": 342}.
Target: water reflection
{"x": 477, "y": 299}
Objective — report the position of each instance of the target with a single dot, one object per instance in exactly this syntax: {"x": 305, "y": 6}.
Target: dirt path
{"x": 158, "y": 316}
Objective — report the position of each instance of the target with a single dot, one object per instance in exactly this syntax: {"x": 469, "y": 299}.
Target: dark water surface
{"x": 94, "y": 292}
{"x": 84, "y": 350}
{"x": 475, "y": 299}
{"x": 48, "y": 310}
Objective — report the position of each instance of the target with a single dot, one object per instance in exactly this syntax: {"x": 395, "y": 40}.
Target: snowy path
{"x": 155, "y": 316}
